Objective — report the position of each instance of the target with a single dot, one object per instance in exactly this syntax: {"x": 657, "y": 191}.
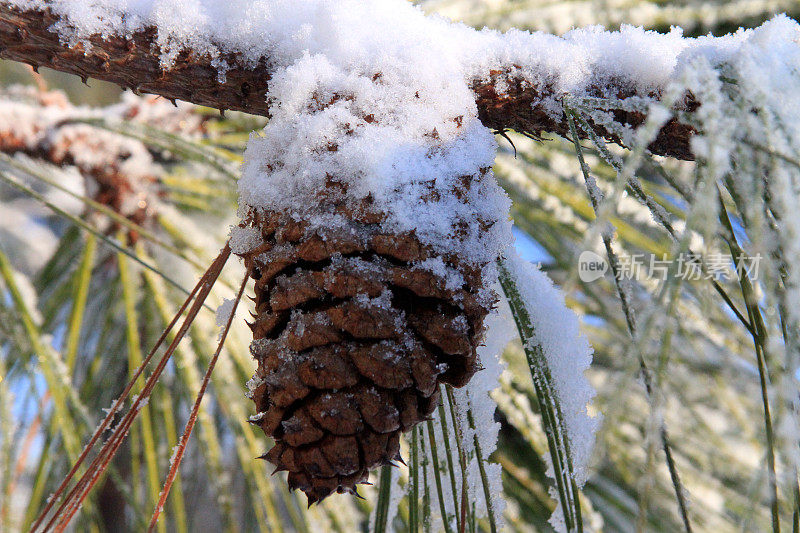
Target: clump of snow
{"x": 398, "y": 132}
{"x": 223, "y": 313}
{"x": 453, "y": 279}
{"x": 257, "y": 417}
{"x": 252, "y": 384}
{"x": 567, "y": 355}
{"x": 244, "y": 239}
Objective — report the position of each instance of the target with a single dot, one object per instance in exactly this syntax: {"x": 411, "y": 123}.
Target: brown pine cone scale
{"x": 353, "y": 335}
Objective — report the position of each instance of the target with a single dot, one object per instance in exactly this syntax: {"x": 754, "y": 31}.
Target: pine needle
{"x": 181, "y": 448}
{"x": 75, "y": 497}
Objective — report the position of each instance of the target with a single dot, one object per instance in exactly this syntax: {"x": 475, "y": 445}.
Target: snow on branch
{"x": 26, "y": 36}
{"x": 224, "y": 56}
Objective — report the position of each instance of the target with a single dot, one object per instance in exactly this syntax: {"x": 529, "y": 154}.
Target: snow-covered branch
{"x": 119, "y": 172}
{"x": 228, "y": 77}
{"x": 26, "y": 36}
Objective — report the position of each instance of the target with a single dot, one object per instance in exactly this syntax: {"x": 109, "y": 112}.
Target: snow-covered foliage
{"x": 46, "y": 124}
{"x": 558, "y": 355}
{"x": 750, "y": 135}
{"x": 51, "y": 138}
{"x": 475, "y": 403}
{"x": 741, "y": 195}
{"x": 567, "y": 353}
{"x": 28, "y": 114}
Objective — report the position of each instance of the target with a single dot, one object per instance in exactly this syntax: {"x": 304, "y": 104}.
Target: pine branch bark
{"x": 134, "y": 63}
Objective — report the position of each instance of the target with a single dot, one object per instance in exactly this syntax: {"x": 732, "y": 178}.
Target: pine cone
{"x": 353, "y": 335}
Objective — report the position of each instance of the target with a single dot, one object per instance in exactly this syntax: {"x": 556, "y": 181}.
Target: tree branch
{"x": 47, "y": 128}
{"x": 134, "y": 63}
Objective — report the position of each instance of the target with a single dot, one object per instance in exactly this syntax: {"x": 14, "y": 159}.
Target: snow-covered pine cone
{"x": 353, "y": 333}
